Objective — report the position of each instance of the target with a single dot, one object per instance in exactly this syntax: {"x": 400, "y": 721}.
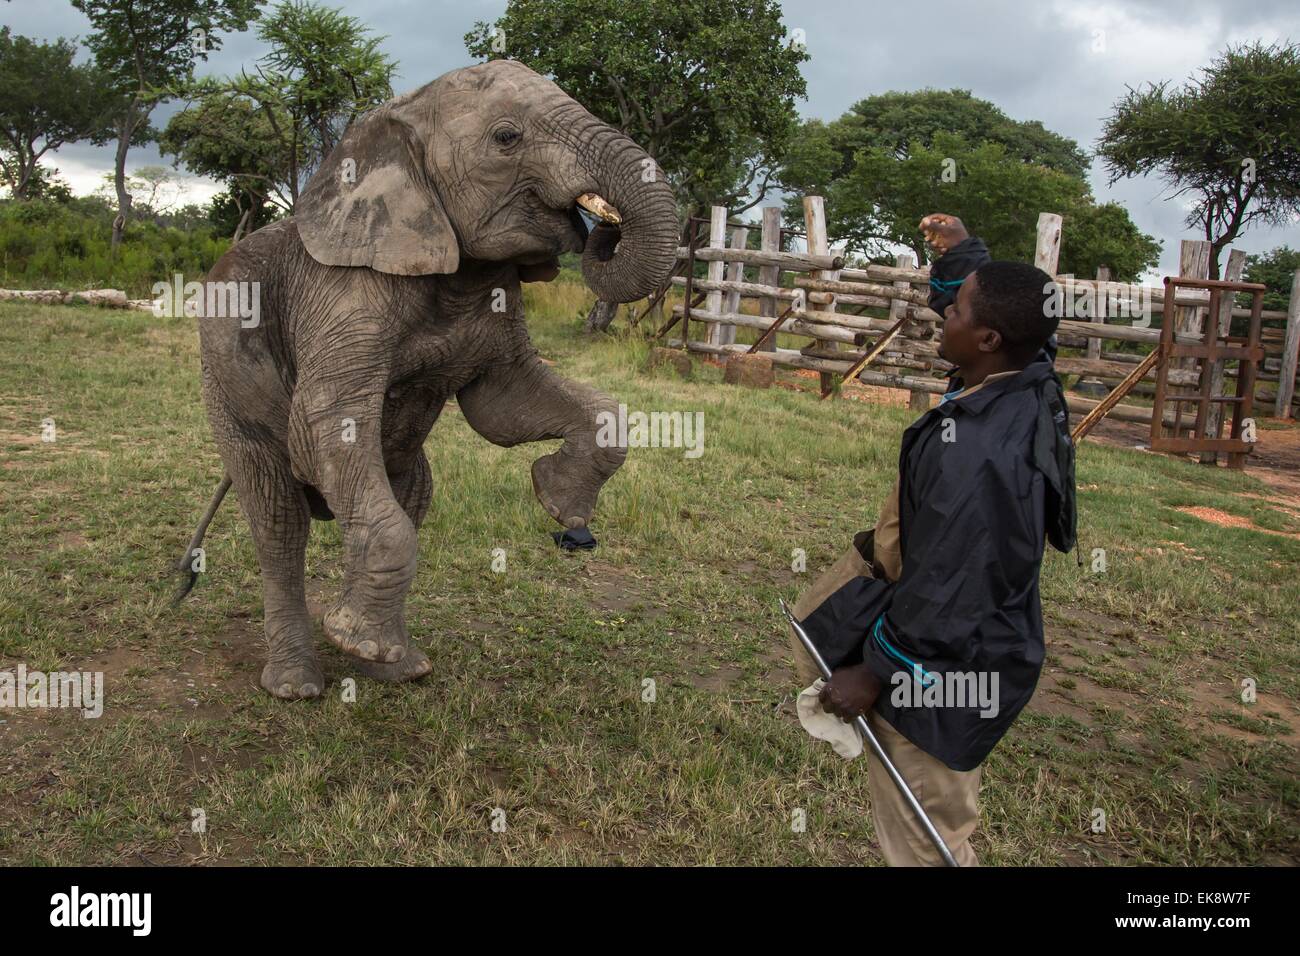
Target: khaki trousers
{"x": 950, "y": 798}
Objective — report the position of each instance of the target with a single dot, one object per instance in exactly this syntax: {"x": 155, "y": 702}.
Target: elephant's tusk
{"x": 598, "y": 207}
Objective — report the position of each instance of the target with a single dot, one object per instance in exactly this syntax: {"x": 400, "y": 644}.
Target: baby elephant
{"x": 395, "y": 286}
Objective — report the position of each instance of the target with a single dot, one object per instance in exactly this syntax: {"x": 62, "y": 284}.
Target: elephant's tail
{"x": 185, "y": 566}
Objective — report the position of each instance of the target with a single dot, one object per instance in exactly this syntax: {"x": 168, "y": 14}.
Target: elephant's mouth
{"x": 606, "y": 232}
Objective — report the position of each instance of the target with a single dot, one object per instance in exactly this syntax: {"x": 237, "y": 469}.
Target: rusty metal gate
{"x": 1217, "y": 345}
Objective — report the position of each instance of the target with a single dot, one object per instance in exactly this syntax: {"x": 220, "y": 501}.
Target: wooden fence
{"x": 874, "y": 321}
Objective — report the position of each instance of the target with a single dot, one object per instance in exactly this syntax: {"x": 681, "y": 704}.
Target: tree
{"x": 270, "y": 128}
{"x": 876, "y": 195}
{"x": 1228, "y": 141}
{"x": 48, "y": 101}
{"x": 146, "y": 49}
{"x": 228, "y": 138}
{"x": 154, "y": 190}
{"x": 895, "y": 121}
{"x": 706, "y": 87}
{"x": 1275, "y": 269}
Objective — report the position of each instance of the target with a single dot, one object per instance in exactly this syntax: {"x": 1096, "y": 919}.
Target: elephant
{"x": 394, "y": 286}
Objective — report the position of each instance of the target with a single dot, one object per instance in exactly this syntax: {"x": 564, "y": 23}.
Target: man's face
{"x": 963, "y": 338}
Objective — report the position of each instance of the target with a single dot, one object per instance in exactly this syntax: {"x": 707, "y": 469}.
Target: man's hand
{"x": 942, "y": 231}
{"x": 851, "y": 692}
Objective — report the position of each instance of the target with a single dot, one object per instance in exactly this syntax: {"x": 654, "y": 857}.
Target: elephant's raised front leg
{"x": 335, "y": 444}
{"x": 528, "y": 401}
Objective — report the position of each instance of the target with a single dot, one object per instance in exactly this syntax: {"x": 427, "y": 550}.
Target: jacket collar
{"x": 979, "y": 398}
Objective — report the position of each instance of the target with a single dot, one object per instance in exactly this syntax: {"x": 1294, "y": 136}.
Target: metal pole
{"x": 861, "y": 723}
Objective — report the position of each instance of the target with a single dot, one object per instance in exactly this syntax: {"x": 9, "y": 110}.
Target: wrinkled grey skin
{"x": 376, "y": 307}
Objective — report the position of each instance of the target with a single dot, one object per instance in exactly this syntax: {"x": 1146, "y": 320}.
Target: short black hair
{"x": 1020, "y": 302}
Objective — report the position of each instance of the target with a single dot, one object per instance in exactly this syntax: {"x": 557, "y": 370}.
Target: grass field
{"x": 535, "y": 704}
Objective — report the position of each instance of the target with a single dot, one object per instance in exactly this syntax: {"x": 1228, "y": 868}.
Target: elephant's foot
{"x": 567, "y": 488}
{"x": 411, "y": 667}
{"x": 296, "y": 680}
{"x": 351, "y": 633}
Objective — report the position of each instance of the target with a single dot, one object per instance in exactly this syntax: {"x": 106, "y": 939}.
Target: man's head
{"x": 1002, "y": 316}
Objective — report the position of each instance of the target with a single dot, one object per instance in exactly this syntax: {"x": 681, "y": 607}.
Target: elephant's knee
{"x": 391, "y": 545}
{"x": 608, "y": 437}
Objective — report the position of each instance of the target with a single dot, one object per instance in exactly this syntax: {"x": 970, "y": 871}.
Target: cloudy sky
{"x": 1063, "y": 62}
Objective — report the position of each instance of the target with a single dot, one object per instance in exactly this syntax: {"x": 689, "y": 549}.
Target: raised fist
{"x": 942, "y": 231}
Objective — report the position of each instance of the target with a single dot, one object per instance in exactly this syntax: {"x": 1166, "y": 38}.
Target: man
{"x": 960, "y": 254}
{"x": 983, "y": 479}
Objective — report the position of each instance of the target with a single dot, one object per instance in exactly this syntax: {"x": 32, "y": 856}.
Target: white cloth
{"x": 843, "y": 738}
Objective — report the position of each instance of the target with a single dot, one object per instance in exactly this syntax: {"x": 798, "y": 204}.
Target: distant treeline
{"x": 47, "y": 243}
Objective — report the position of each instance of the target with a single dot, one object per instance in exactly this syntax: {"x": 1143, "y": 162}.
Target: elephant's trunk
{"x": 632, "y": 260}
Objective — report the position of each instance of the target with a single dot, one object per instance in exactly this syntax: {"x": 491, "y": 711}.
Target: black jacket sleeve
{"x": 950, "y": 269}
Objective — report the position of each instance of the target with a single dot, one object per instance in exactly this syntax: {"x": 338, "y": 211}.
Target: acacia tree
{"x": 706, "y": 87}
{"x": 146, "y": 49}
{"x": 1228, "y": 141}
{"x": 48, "y": 101}
{"x": 275, "y": 124}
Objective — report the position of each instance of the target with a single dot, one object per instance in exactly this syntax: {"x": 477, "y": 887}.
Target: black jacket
{"x": 974, "y": 511}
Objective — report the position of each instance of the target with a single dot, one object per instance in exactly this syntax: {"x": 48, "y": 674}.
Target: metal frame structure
{"x": 1216, "y": 345}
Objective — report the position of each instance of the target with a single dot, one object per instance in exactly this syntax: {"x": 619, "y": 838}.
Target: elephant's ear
{"x": 372, "y": 204}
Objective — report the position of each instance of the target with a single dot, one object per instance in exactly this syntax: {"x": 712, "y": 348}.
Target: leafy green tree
{"x": 48, "y": 101}
{"x": 1275, "y": 269}
{"x": 877, "y": 203}
{"x": 275, "y": 124}
{"x": 1228, "y": 141}
{"x": 228, "y": 138}
{"x": 706, "y": 87}
{"x": 146, "y": 49}
{"x": 895, "y": 121}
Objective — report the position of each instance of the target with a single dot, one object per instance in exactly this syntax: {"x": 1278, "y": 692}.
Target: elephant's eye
{"x": 506, "y": 136}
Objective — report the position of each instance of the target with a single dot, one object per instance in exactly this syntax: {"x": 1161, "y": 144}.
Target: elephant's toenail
{"x": 368, "y": 650}
{"x": 395, "y": 654}
{"x": 308, "y": 690}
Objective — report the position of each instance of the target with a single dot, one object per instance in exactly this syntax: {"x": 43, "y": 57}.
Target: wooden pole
{"x": 717, "y": 268}
{"x": 735, "y": 273}
{"x": 1094, "y": 345}
{"x": 814, "y": 217}
{"x": 1193, "y": 262}
{"x": 917, "y": 401}
{"x": 1047, "y": 250}
{"x": 770, "y": 241}
{"x": 1107, "y": 404}
{"x": 1214, "y": 419}
{"x": 1290, "y": 348}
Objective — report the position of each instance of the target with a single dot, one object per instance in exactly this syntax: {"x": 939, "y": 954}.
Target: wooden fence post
{"x": 717, "y": 240}
{"x": 918, "y": 401}
{"x": 1099, "y": 313}
{"x": 770, "y": 275}
{"x": 735, "y": 273}
{"x": 1290, "y": 347}
{"x": 1047, "y": 250}
{"x": 1193, "y": 262}
{"x": 814, "y": 217}
{"x": 1214, "y": 418}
